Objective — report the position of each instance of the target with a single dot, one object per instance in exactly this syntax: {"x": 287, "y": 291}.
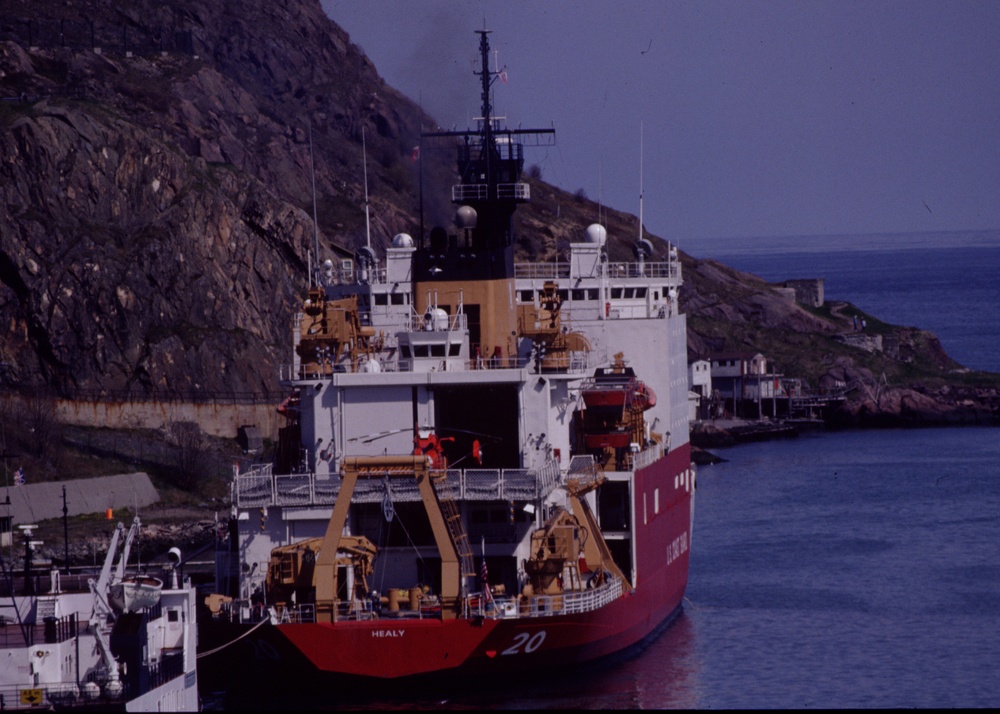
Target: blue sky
{"x": 733, "y": 119}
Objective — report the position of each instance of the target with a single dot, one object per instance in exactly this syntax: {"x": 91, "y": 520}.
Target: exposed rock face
{"x": 154, "y": 209}
{"x": 156, "y": 206}
{"x": 906, "y": 406}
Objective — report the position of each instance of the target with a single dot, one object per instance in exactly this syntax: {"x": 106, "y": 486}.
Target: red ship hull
{"x": 406, "y": 649}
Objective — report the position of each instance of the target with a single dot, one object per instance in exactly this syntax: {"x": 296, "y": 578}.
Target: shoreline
{"x": 721, "y": 433}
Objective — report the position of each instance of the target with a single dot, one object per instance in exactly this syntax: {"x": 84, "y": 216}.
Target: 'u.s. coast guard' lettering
{"x": 677, "y": 547}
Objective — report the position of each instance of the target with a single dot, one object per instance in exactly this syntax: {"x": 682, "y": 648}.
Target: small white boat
{"x": 135, "y": 593}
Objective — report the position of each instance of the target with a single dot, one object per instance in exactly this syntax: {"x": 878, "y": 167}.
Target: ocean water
{"x": 943, "y": 282}
{"x": 852, "y": 569}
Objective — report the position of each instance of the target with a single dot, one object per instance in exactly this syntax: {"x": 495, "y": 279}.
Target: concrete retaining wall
{"x": 222, "y": 420}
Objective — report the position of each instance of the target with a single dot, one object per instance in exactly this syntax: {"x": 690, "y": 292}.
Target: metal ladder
{"x": 453, "y": 520}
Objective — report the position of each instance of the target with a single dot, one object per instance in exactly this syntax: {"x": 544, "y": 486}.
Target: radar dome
{"x": 596, "y": 233}
{"x": 466, "y": 217}
{"x": 435, "y": 319}
{"x": 402, "y": 240}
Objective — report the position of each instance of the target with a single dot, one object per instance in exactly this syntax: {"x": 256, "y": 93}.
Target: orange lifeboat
{"x": 645, "y": 397}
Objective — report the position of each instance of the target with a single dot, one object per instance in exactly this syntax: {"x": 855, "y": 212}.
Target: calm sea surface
{"x": 943, "y": 282}
{"x": 856, "y": 569}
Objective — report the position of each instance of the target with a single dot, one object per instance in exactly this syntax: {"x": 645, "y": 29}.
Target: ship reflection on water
{"x": 663, "y": 675}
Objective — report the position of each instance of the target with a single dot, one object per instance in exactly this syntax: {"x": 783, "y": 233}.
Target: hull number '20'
{"x": 525, "y": 642}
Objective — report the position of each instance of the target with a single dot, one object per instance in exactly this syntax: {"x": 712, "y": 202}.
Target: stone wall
{"x": 222, "y": 420}
{"x": 215, "y": 418}
{"x": 807, "y": 291}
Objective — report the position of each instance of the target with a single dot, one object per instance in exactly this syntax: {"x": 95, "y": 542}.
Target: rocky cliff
{"x": 157, "y": 211}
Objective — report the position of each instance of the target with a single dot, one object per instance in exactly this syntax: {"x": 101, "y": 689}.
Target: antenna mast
{"x": 640, "y": 179}
{"x": 314, "y": 274}
{"x": 364, "y": 157}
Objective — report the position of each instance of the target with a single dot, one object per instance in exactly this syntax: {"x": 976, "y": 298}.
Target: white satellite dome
{"x": 466, "y": 217}
{"x": 402, "y": 240}
{"x": 435, "y": 319}
{"x": 596, "y": 233}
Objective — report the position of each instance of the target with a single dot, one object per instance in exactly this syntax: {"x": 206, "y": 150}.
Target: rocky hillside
{"x": 156, "y": 210}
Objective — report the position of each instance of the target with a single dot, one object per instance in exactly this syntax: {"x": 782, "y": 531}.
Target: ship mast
{"x": 486, "y": 77}
{"x": 474, "y": 258}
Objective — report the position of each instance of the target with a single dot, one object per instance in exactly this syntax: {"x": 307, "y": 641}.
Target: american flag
{"x": 484, "y": 575}
{"x": 19, "y": 481}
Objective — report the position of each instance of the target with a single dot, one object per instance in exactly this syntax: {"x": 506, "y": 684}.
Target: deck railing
{"x": 557, "y": 270}
{"x": 260, "y": 487}
{"x": 474, "y": 605}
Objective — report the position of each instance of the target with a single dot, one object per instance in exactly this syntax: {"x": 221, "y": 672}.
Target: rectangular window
{"x": 381, "y": 299}
{"x": 524, "y": 296}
